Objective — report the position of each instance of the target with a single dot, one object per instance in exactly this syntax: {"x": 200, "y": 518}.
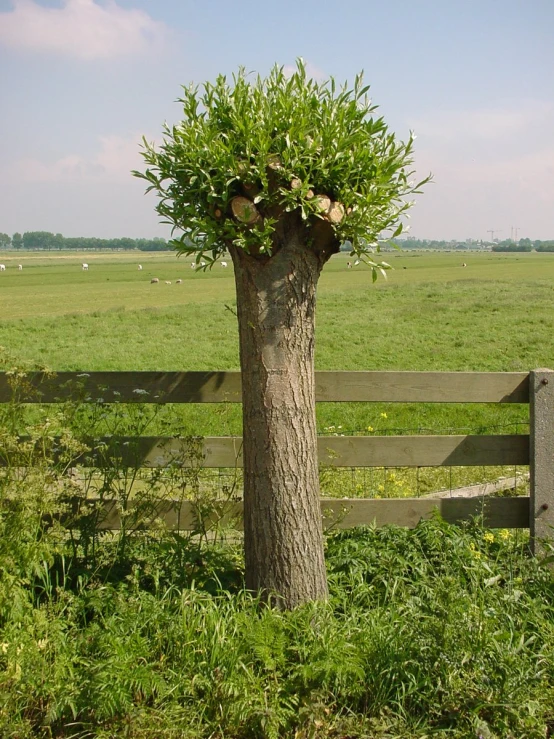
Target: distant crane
{"x": 514, "y": 229}
{"x": 494, "y": 231}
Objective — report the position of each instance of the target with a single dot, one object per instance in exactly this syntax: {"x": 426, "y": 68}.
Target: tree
{"x": 278, "y": 172}
{"x": 39, "y": 240}
{"x": 5, "y": 241}
{"x": 17, "y": 241}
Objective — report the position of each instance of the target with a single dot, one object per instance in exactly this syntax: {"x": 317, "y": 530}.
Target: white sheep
{"x": 223, "y": 264}
{"x": 202, "y": 264}
{"x": 168, "y": 282}
{"x": 154, "y": 279}
{"x": 85, "y": 266}
{"x": 20, "y": 267}
{"x": 178, "y": 282}
{"x": 192, "y": 265}
{"x": 140, "y": 267}
{"x": 2, "y": 267}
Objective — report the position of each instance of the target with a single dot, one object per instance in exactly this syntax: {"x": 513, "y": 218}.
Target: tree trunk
{"x": 283, "y": 536}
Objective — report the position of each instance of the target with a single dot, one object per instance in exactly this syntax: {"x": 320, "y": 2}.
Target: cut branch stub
{"x": 323, "y": 203}
{"x": 296, "y": 184}
{"x": 336, "y": 212}
{"x": 245, "y": 211}
{"x": 274, "y": 162}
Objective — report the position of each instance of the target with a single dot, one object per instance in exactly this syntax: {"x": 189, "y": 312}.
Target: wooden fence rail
{"x": 536, "y": 449}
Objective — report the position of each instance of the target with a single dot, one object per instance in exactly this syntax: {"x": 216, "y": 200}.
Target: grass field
{"x": 431, "y": 314}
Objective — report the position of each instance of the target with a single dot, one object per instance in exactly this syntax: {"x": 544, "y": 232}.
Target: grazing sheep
{"x": 464, "y": 264}
{"x": 192, "y": 265}
{"x": 223, "y": 264}
{"x": 356, "y": 262}
{"x": 20, "y": 267}
{"x": 349, "y": 265}
{"x": 154, "y": 279}
{"x": 202, "y": 264}
{"x": 84, "y": 266}
{"x": 140, "y": 267}
{"x": 178, "y": 282}
{"x": 2, "y": 267}
{"x": 168, "y": 282}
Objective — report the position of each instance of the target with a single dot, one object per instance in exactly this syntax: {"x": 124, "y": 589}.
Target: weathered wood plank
{"x": 542, "y": 459}
{"x": 336, "y": 451}
{"x": 423, "y": 387}
{"x": 127, "y": 387}
{"x": 423, "y": 451}
{"x": 496, "y": 512}
{"x": 219, "y": 387}
{"x": 346, "y": 513}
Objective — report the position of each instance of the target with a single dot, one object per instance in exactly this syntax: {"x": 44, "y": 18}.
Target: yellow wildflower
{"x": 488, "y": 537}
{"x": 370, "y": 428}
{"x": 505, "y": 534}
{"x": 383, "y": 415}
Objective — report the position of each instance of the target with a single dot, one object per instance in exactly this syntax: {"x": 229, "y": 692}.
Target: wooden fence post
{"x": 541, "y": 458}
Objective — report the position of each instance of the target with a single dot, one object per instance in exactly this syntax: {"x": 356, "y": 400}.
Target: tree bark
{"x": 283, "y": 539}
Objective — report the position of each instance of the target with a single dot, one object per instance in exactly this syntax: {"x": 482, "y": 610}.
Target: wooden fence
{"x": 535, "y": 449}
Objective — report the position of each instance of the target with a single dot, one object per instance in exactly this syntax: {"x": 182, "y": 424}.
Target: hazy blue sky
{"x": 81, "y": 81}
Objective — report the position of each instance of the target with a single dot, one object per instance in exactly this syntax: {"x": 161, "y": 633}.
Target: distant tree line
{"x": 524, "y": 245}
{"x": 507, "y": 245}
{"x": 44, "y": 240}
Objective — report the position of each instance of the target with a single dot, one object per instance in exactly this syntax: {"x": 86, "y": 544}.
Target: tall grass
{"x": 432, "y": 632}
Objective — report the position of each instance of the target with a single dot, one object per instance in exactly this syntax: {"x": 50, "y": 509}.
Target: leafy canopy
{"x": 278, "y": 144}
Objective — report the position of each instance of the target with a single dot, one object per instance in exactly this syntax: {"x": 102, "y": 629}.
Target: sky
{"x": 82, "y": 81}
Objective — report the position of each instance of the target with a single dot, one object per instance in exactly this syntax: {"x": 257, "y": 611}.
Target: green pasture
{"x": 496, "y": 314}
{"x": 431, "y": 313}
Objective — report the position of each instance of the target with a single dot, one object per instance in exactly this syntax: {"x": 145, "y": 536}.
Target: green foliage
{"x": 281, "y": 142}
{"x": 512, "y": 247}
{"x": 545, "y": 246}
{"x": 436, "y": 631}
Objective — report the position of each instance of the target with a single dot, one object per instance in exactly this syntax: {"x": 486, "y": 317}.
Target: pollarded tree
{"x": 279, "y": 171}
